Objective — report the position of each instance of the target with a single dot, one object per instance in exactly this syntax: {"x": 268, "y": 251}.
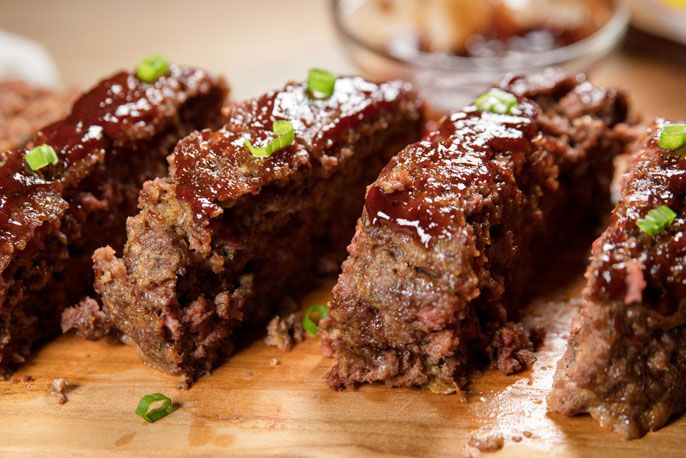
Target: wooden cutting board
{"x": 248, "y": 406}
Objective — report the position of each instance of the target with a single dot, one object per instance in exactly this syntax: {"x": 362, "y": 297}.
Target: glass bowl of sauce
{"x": 455, "y": 49}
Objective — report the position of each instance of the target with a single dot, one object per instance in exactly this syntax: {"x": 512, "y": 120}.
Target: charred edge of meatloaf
{"x": 180, "y": 304}
{"x": 407, "y": 315}
{"x": 626, "y": 359}
{"x": 57, "y": 272}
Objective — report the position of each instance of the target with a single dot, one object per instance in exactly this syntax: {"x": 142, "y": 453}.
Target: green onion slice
{"x": 151, "y": 416}
{"x": 673, "y": 136}
{"x": 286, "y": 137}
{"x": 321, "y": 83}
{"x": 309, "y": 325}
{"x": 656, "y": 220}
{"x": 40, "y": 156}
{"x": 151, "y": 68}
{"x": 496, "y": 101}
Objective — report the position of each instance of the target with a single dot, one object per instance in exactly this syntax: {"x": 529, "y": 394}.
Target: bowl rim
{"x": 607, "y": 36}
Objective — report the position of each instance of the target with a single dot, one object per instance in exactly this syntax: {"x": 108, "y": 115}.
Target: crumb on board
{"x": 284, "y": 333}
{"x": 57, "y": 388}
{"x": 516, "y": 438}
{"x": 88, "y": 320}
{"x": 274, "y": 362}
{"x": 527, "y": 434}
{"x": 486, "y": 440}
{"x": 28, "y": 379}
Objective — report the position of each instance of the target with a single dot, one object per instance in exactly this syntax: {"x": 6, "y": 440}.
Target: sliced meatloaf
{"x": 227, "y": 236}
{"x": 52, "y": 219}
{"x": 625, "y": 362}
{"x": 24, "y": 109}
{"x": 454, "y": 225}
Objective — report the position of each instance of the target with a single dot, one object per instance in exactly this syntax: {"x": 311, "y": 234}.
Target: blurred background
{"x": 257, "y": 44}
{"x": 452, "y": 48}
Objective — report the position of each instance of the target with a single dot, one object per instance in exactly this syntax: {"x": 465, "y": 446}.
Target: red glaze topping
{"x": 449, "y": 171}
{"x": 27, "y": 201}
{"x": 211, "y": 168}
{"x": 120, "y": 112}
{"x": 629, "y": 265}
{"x": 429, "y": 188}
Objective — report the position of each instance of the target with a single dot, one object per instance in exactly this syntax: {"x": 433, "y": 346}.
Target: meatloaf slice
{"x": 24, "y": 109}
{"x": 52, "y": 219}
{"x": 453, "y": 226}
{"x": 625, "y": 362}
{"x": 227, "y": 236}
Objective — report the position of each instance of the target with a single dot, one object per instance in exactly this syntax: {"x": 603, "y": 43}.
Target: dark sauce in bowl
{"x": 498, "y": 28}
{"x": 453, "y": 50}
{"x": 527, "y": 40}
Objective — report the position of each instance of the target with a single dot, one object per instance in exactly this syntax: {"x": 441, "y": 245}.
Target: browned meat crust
{"x": 626, "y": 358}
{"x": 24, "y": 109}
{"x": 51, "y": 220}
{"x": 452, "y": 227}
{"x": 221, "y": 240}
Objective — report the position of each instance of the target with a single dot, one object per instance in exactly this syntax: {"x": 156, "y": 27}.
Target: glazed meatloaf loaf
{"x": 625, "y": 362}
{"x": 24, "y": 109}
{"x": 228, "y": 235}
{"x": 53, "y": 218}
{"x": 453, "y": 225}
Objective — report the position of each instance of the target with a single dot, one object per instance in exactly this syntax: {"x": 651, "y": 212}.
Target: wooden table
{"x": 248, "y": 407}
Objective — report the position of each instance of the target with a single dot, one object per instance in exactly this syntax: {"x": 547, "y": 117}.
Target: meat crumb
{"x": 284, "y": 333}
{"x": 87, "y": 319}
{"x": 527, "y": 434}
{"x": 28, "y": 378}
{"x": 58, "y": 388}
{"x": 513, "y": 348}
{"x": 516, "y": 438}
{"x": 274, "y": 362}
{"x": 486, "y": 440}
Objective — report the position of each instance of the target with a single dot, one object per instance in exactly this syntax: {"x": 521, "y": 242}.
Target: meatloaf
{"x": 625, "y": 362}
{"x": 454, "y": 225}
{"x": 24, "y": 109}
{"x": 52, "y": 219}
{"x": 227, "y": 236}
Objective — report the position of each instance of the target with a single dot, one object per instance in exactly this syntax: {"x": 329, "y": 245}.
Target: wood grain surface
{"x": 249, "y": 407}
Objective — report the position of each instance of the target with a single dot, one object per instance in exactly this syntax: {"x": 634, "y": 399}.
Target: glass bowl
{"x": 374, "y": 40}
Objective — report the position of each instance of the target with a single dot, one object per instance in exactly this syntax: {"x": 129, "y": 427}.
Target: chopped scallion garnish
{"x": 151, "y": 68}
{"x": 673, "y": 136}
{"x": 321, "y": 83}
{"x": 286, "y": 137}
{"x": 310, "y": 326}
{"x": 656, "y": 220}
{"x": 40, "y": 156}
{"x": 151, "y": 416}
{"x": 496, "y": 101}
